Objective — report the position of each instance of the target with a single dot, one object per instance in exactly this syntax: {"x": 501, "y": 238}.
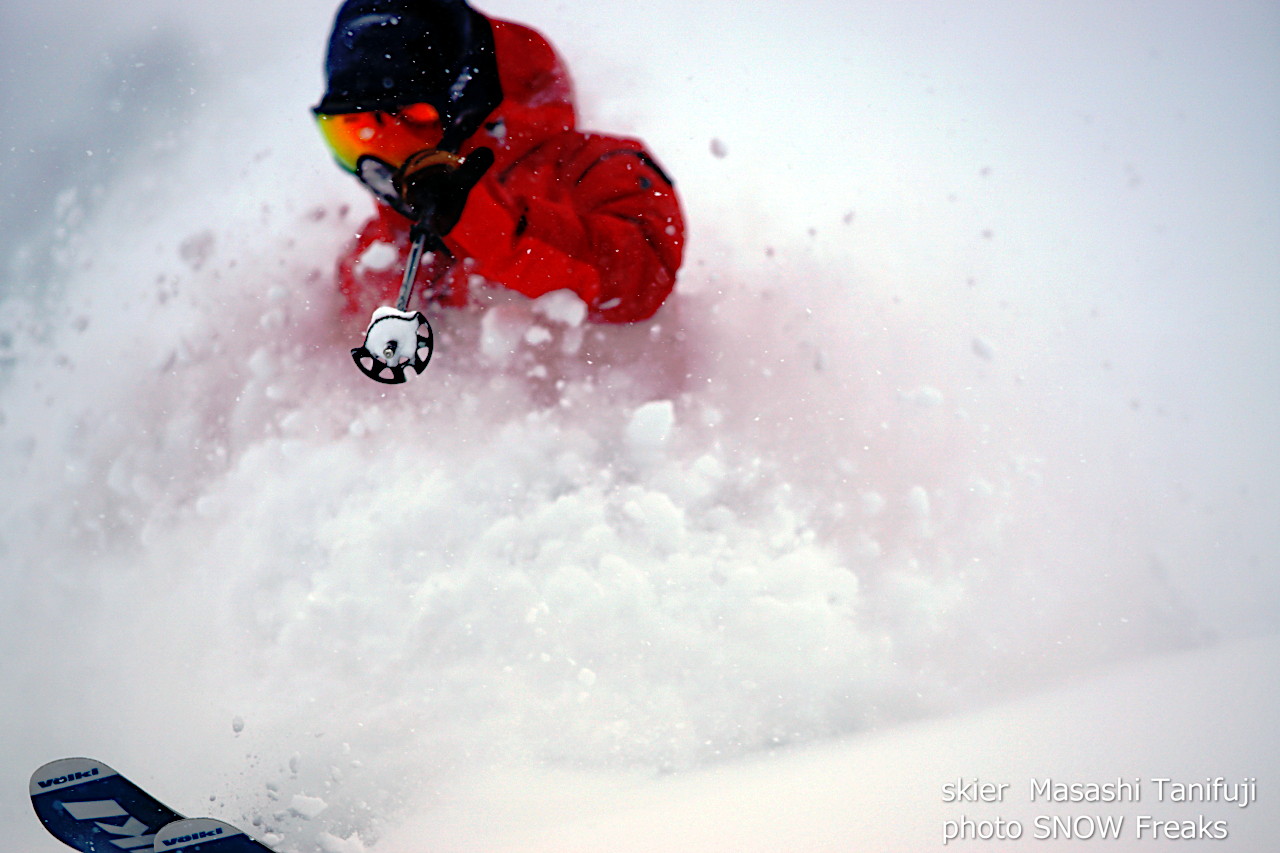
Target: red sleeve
{"x": 594, "y": 214}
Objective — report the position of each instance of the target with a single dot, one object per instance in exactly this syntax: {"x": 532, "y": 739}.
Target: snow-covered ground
{"x": 885, "y": 790}
{"x": 953, "y": 457}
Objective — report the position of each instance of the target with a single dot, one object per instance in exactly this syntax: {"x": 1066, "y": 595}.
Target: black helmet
{"x": 385, "y": 54}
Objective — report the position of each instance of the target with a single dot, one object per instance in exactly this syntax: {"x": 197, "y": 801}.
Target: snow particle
{"x": 983, "y": 348}
{"x": 718, "y": 149}
{"x": 537, "y": 335}
{"x": 926, "y": 397}
{"x": 237, "y": 724}
{"x": 378, "y": 257}
{"x": 650, "y": 425}
{"x": 502, "y": 328}
{"x": 330, "y": 843}
{"x": 918, "y": 501}
{"x": 561, "y": 306}
{"x": 196, "y": 249}
{"x": 307, "y": 807}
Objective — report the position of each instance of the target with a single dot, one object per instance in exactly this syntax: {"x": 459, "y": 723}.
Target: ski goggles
{"x": 390, "y": 136}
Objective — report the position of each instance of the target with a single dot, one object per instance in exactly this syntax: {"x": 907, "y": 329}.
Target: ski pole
{"x": 397, "y": 338}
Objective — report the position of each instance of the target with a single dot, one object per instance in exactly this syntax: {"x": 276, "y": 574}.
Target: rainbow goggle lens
{"x": 389, "y": 136}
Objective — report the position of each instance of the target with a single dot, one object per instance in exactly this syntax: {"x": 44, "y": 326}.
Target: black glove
{"x": 435, "y": 184}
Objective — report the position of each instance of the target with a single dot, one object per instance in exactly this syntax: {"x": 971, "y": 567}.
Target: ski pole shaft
{"x": 422, "y": 237}
{"x": 411, "y": 269}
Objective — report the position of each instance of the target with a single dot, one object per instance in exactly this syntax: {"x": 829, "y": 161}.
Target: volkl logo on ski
{"x": 70, "y": 777}
{"x": 195, "y": 836}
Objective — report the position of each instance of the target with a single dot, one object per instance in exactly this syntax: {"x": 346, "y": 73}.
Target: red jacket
{"x": 558, "y": 209}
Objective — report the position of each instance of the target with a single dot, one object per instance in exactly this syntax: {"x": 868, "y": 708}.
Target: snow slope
{"x": 968, "y": 390}
{"x": 884, "y": 790}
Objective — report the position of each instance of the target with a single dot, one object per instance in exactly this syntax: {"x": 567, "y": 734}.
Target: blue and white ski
{"x": 205, "y": 835}
{"x": 87, "y": 805}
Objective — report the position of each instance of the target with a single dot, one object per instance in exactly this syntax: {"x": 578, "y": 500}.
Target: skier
{"x": 464, "y": 126}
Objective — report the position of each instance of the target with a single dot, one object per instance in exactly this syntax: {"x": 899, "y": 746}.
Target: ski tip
{"x": 66, "y": 772}
{"x": 199, "y": 833}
